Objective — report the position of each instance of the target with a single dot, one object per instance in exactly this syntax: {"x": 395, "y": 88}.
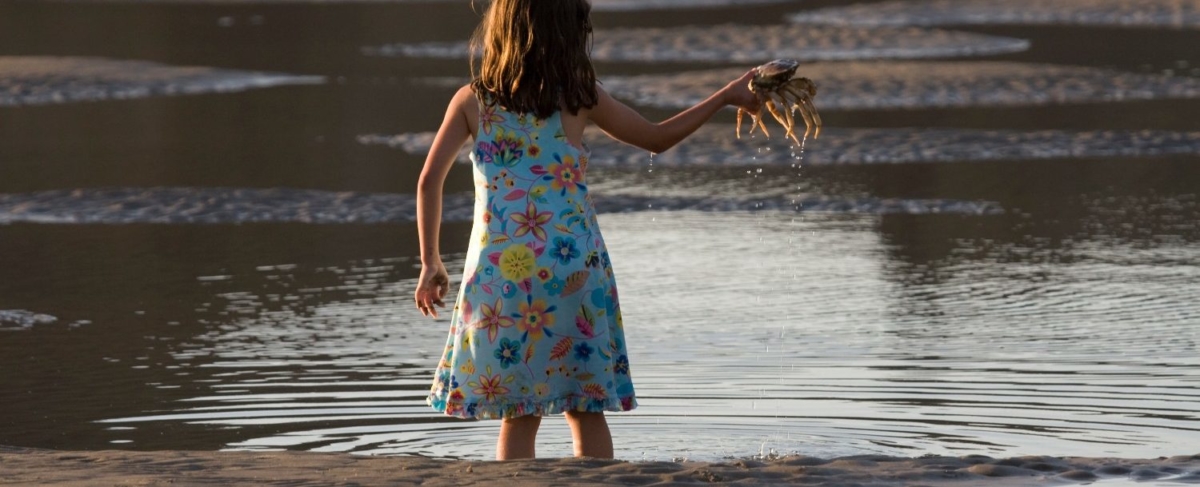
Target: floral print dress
{"x": 536, "y": 328}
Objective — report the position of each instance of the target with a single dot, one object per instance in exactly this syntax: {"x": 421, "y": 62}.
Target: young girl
{"x": 536, "y": 329}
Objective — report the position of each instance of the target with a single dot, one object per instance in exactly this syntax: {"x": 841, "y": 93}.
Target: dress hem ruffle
{"x": 534, "y": 407}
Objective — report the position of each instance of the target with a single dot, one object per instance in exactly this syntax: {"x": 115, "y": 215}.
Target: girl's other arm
{"x": 435, "y": 281}
{"x": 621, "y": 122}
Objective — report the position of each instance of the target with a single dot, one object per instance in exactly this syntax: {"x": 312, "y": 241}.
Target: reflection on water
{"x": 841, "y": 300}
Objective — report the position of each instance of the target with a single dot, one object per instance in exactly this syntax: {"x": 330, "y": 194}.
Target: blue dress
{"x": 536, "y": 328}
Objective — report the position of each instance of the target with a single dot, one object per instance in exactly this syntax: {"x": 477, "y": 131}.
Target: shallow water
{"x": 234, "y": 270}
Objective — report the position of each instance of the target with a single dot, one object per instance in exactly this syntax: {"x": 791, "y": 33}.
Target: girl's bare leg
{"x": 590, "y": 434}
{"x": 517, "y": 437}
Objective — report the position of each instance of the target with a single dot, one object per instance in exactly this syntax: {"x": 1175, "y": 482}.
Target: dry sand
{"x": 26, "y": 466}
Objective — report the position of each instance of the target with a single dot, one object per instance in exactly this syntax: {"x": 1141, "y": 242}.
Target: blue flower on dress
{"x": 554, "y": 286}
{"x": 564, "y": 250}
{"x": 622, "y": 366}
{"x": 583, "y": 351}
{"x": 508, "y": 352}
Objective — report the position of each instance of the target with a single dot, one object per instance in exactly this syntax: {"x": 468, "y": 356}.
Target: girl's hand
{"x": 738, "y": 94}
{"x": 431, "y": 288}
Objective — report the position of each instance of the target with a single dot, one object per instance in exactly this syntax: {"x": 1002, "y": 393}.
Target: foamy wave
{"x": 715, "y": 145}
{"x": 890, "y": 85}
{"x": 754, "y": 44}
{"x": 1179, "y": 14}
{"x": 33, "y": 80}
{"x": 231, "y": 205}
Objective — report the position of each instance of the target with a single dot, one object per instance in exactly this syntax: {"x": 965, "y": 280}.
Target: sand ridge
{"x": 37, "y": 80}
{"x": 28, "y": 466}
{"x": 732, "y": 43}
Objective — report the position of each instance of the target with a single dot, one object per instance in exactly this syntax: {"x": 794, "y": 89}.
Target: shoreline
{"x": 32, "y": 466}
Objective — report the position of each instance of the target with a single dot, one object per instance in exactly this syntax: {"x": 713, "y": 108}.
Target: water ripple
{"x": 746, "y": 332}
{"x": 247, "y": 205}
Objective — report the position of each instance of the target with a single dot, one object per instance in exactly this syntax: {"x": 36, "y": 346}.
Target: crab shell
{"x": 774, "y": 74}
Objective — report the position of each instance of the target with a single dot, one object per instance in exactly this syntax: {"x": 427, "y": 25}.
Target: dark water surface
{"x": 234, "y": 270}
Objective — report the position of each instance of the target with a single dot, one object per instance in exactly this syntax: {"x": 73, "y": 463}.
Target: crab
{"x": 783, "y": 94}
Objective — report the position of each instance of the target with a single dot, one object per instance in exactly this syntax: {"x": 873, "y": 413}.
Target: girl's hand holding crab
{"x": 738, "y": 94}
{"x": 432, "y": 286}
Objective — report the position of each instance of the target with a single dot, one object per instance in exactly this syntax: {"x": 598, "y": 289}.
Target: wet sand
{"x": 110, "y": 467}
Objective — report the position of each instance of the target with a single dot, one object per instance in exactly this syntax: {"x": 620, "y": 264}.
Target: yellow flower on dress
{"x": 516, "y": 262}
{"x": 541, "y": 389}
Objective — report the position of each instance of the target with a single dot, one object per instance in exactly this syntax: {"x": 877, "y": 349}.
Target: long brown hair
{"x": 535, "y": 53}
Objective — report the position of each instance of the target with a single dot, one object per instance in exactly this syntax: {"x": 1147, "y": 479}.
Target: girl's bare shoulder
{"x": 465, "y": 102}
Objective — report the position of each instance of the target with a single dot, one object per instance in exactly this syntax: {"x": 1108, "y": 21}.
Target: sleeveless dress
{"x": 536, "y": 328}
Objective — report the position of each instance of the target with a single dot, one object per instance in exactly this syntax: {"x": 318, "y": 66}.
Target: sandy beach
{"x": 23, "y": 466}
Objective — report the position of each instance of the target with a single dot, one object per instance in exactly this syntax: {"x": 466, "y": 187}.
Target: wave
{"x": 35, "y": 80}
{"x": 174, "y": 205}
{"x": 715, "y": 145}
{"x": 899, "y": 84}
{"x": 1180, "y": 14}
{"x": 755, "y": 44}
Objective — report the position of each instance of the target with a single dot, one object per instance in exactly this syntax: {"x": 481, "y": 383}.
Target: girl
{"x": 536, "y": 329}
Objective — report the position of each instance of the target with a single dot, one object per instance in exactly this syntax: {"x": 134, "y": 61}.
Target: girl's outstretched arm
{"x": 454, "y": 132}
{"x": 621, "y": 122}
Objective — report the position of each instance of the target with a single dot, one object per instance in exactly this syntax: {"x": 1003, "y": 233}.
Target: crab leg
{"x": 804, "y": 112}
{"x": 759, "y": 120}
{"x": 809, "y": 122}
{"x": 739, "y": 122}
{"x": 785, "y": 120}
{"x": 812, "y": 110}
{"x": 770, "y": 104}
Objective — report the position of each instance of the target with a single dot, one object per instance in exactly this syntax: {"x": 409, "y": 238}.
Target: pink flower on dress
{"x": 490, "y": 388}
{"x": 531, "y": 222}
{"x": 489, "y": 116}
{"x": 493, "y": 320}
